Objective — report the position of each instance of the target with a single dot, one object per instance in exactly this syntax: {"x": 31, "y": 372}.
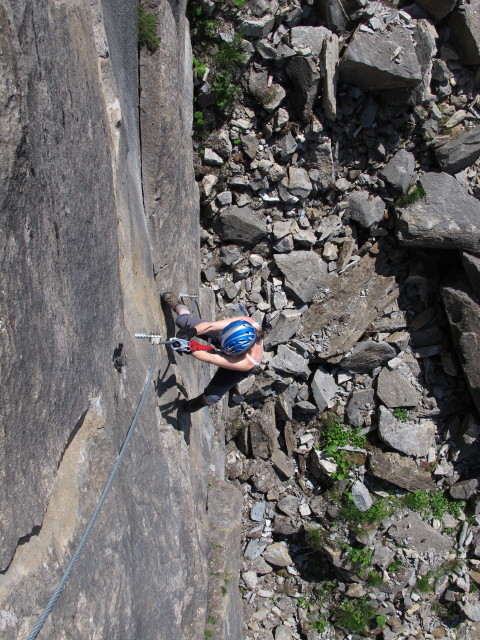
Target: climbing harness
{"x": 61, "y": 585}
{"x": 178, "y": 344}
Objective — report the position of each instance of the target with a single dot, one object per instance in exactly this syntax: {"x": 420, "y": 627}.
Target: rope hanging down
{"x": 61, "y": 585}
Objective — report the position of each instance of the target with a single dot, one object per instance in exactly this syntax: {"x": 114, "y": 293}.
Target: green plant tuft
{"x": 147, "y": 29}
{"x": 374, "y": 579}
{"x": 414, "y": 194}
{"x": 335, "y": 435}
{"x": 400, "y": 413}
{"x": 356, "y": 616}
{"x": 424, "y": 584}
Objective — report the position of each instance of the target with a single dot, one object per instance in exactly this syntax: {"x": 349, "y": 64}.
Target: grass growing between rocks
{"x": 357, "y": 616}
{"x": 333, "y": 437}
{"x": 433, "y": 503}
{"x": 222, "y": 59}
{"x": 147, "y": 29}
{"x": 414, "y": 194}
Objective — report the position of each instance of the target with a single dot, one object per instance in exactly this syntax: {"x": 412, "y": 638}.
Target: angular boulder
{"x": 353, "y": 301}
{"x": 365, "y": 209}
{"x": 394, "y": 390}
{"x": 305, "y": 273}
{"x": 437, "y": 8}
{"x": 381, "y": 60}
{"x": 307, "y": 40}
{"x": 324, "y": 389}
{"x": 465, "y": 32}
{"x": 305, "y": 78}
{"x": 409, "y": 438}
{"x": 400, "y": 471}
{"x": 290, "y": 362}
{"x": 413, "y": 533}
{"x": 399, "y": 170}
{"x": 368, "y": 355}
{"x": 242, "y": 225}
{"x": 455, "y": 153}
{"x": 445, "y": 217}
{"x": 471, "y": 264}
{"x": 286, "y": 326}
{"x": 464, "y": 317}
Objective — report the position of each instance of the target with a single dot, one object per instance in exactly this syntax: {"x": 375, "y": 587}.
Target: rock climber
{"x": 239, "y": 339}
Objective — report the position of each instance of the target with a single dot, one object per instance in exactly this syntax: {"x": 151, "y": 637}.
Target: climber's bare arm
{"x": 236, "y": 363}
{"x": 218, "y": 325}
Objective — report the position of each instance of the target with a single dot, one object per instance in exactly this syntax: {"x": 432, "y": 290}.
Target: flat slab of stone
{"x": 283, "y": 464}
{"x": 242, "y": 225}
{"x": 305, "y": 78}
{"x": 286, "y": 326}
{"x": 394, "y": 390}
{"x": 413, "y": 439}
{"x": 412, "y": 532}
{"x": 324, "y": 389}
{"x": 354, "y": 300}
{"x": 381, "y": 60}
{"x": 446, "y": 218}
{"x": 455, "y": 153}
{"x": 305, "y": 273}
{"x": 365, "y": 208}
{"x": 437, "y": 8}
{"x": 471, "y": 264}
{"x": 400, "y": 471}
{"x": 307, "y": 40}
{"x": 464, "y": 317}
{"x": 465, "y": 32}
{"x": 359, "y": 406}
{"x": 368, "y": 355}
{"x": 399, "y": 170}
{"x": 290, "y": 362}
{"x": 277, "y": 554}
{"x": 263, "y": 432}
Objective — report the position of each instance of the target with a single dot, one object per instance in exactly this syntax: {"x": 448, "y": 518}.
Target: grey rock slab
{"x": 410, "y": 438}
{"x": 241, "y": 224}
{"x": 330, "y": 60}
{"x": 359, "y": 406}
{"x": 212, "y": 158}
{"x": 289, "y": 505}
{"x": 471, "y": 264}
{"x": 285, "y": 327}
{"x": 382, "y": 556}
{"x": 412, "y": 532}
{"x": 290, "y": 362}
{"x": 257, "y": 512}
{"x": 399, "y": 170}
{"x": 437, "y": 8}
{"x": 263, "y": 432}
{"x": 361, "y": 496}
{"x": 255, "y": 548}
{"x": 400, "y": 471}
{"x": 250, "y": 145}
{"x": 381, "y": 60}
{"x": 368, "y": 355}
{"x": 305, "y": 273}
{"x": 463, "y": 314}
{"x": 257, "y": 27}
{"x": 305, "y": 79}
{"x": 324, "y": 389}
{"x": 394, "y": 390}
{"x": 307, "y": 40}
{"x": 354, "y": 300}
{"x": 298, "y": 182}
{"x": 446, "y": 217}
{"x": 277, "y": 554}
{"x": 455, "y": 153}
{"x": 283, "y": 464}
{"x": 284, "y": 633}
{"x": 464, "y": 489}
{"x": 365, "y": 208}
{"x": 465, "y": 32}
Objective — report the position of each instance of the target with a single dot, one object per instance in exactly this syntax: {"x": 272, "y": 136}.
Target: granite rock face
{"x": 84, "y": 258}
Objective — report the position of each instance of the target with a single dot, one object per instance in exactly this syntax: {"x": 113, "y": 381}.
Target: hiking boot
{"x": 170, "y": 299}
{"x": 195, "y": 404}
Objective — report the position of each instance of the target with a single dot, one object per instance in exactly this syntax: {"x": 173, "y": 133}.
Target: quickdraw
{"x": 177, "y": 344}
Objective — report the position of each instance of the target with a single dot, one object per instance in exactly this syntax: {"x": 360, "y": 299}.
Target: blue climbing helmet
{"x": 237, "y": 337}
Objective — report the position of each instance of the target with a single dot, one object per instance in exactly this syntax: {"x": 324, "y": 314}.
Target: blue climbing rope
{"x": 61, "y": 585}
